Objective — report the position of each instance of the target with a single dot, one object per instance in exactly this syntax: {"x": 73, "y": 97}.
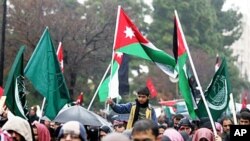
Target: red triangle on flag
{"x": 127, "y": 32}
{"x": 179, "y": 42}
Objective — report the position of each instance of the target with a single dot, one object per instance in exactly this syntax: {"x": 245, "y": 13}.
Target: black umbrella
{"x": 79, "y": 113}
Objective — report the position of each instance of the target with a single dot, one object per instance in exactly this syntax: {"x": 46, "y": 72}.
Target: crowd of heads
{"x": 175, "y": 128}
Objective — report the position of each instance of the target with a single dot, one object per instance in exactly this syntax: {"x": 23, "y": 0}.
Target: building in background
{"x": 242, "y": 46}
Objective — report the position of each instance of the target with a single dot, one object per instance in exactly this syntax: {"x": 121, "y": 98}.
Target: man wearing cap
{"x": 139, "y": 110}
{"x": 72, "y": 131}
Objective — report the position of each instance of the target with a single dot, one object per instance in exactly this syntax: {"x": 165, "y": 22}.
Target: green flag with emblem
{"x": 217, "y": 94}
{"x": 14, "y": 89}
{"x": 44, "y": 72}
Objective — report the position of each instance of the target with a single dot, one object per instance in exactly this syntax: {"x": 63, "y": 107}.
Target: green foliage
{"x": 205, "y": 26}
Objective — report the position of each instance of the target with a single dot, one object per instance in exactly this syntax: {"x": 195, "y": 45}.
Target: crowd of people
{"x": 142, "y": 125}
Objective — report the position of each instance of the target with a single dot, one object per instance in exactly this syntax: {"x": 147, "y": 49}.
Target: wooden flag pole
{"x": 105, "y": 74}
{"x": 196, "y": 77}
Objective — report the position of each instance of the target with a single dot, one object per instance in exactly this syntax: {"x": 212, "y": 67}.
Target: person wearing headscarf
{"x": 203, "y": 133}
{"x": 219, "y": 128}
{"x": 173, "y": 134}
{"x": 5, "y": 136}
{"x": 18, "y": 128}
{"x": 41, "y": 132}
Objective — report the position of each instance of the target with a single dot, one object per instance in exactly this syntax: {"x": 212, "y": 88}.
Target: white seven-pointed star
{"x": 119, "y": 54}
{"x": 129, "y": 32}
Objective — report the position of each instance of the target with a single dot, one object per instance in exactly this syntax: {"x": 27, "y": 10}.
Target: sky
{"x": 242, "y": 46}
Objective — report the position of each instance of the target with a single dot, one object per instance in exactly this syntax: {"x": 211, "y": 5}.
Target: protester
{"x": 161, "y": 119}
{"x": 119, "y": 126}
{"x": 32, "y": 114}
{"x": 92, "y": 133}
{"x": 18, "y": 128}
{"x": 244, "y": 118}
{"x": 5, "y": 136}
{"x": 115, "y": 137}
{"x": 219, "y": 129}
{"x": 72, "y": 130}
{"x": 104, "y": 131}
{"x": 203, "y": 133}
{"x": 176, "y": 120}
{"x": 185, "y": 126}
{"x": 161, "y": 129}
{"x": 46, "y": 121}
{"x": 41, "y": 132}
{"x": 141, "y": 109}
{"x": 173, "y": 134}
{"x": 226, "y": 122}
{"x": 145, "y": 130}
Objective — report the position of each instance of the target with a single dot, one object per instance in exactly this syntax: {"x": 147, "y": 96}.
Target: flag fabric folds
{"x": 1, "y": 91}
{"x": 59, "y": 54}
{"x": 180, "y": 54}
{"x": 44, "y": 72}
{"x": 14, "y": 89}
{"x": 217, "y": 94}
{"x": 110, "y": 86}
{"x": 151, "y": 88}
{"x": 129, "y": 40}
{"x": 123, "y": 75}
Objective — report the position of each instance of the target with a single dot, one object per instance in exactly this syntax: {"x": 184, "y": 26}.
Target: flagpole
{"x": 196, "y": 77}
{"x": 233, "y": 110}
{"x": 41, "y": 114}
{"x": 113, "y": 52}
{"x": 92, "y": 100}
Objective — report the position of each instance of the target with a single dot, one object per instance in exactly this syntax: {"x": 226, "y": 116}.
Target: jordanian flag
{"x": 59, "y": 54}
{"x": 180, "y": 54}
{"x": 129, "y": 40}
{"x": 110, "y": 86}
{"x": 217, "y": 94}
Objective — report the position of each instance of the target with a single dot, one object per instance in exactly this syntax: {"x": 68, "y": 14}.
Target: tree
{"x": 85, "y": 30}
{"x": 206, "y": 27}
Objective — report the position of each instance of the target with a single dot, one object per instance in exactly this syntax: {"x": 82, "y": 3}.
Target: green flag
{"x": 179, "y": 50}
{"x": 217, "y": 94}
{"x": 44, "y": 72}
{"x": 14, "y": 88}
